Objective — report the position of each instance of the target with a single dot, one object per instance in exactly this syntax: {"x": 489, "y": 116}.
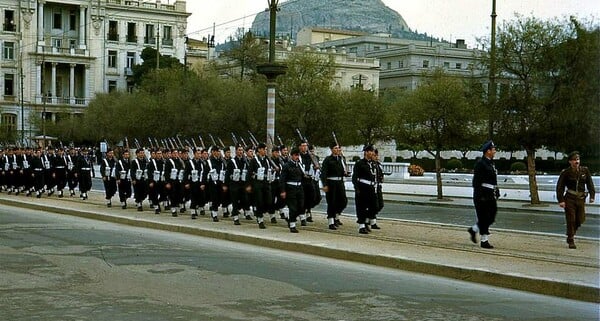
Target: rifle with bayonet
{"x": 312, "y": 157}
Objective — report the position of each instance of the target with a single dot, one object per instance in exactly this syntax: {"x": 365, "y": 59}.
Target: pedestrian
{"x": 37, "y": 167}
{"x": 571, "y": 193}
{"x": 216, "y": 178}
{"x": 84, "y": 171}
{"x": 364, "y": 181}
{"x": 332, "y": 176}
{"x": 291, "y": 188}
{"x": 72, "y": 179}
{"x": 60, "y": 171}
{"x": 236, "y": 180}
{"x": 485, "y": 195}
{"x": 156, "y": 178}
{"x": 195, "y": 181}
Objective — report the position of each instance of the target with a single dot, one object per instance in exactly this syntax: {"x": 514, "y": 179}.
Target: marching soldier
{"x": 155, "y": 170}
{"x": 291, "y": 188}
{"x": 485, "y": 194}
{"x": 13, "y": 171}
{"x": 379, "y": 190}
{"x": 332, "y": 177}
{"x": 3, "y": 169}
{"x": 277, "y": 203}
{"x": 27, "y": 177}
{"x": 48, "y": 160}
{"x": 37, "y": 172}
{"x": 364, "y": 181}
{"x": 109, "y": 177}
{"x": 571, "y": 193}
{"x": 261, "y": 189}
{"x": 250, "y": 205}
{"x": 138, "y": 173}
{"x": 173, "y": 178}
{"x": 72, "y": 180}
{"x": 236, "y": 182}
{"x": 122, "y": 170}
{"x": 196, "y": 182}
{"x": 84, "y": 171}
{"x": 60, "y": 165}
{"x": 216, "y": 178}
{"x": 309, "y": 168}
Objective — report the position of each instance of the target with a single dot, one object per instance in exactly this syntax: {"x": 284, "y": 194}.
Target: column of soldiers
{"x": 249, "y": 184}
{"x": 45, "y": 170}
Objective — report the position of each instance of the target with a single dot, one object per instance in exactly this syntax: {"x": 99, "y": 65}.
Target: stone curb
{"x": 516, "y": 282}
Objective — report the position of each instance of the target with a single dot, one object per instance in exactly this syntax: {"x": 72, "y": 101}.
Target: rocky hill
{"x": 371, "y": 16}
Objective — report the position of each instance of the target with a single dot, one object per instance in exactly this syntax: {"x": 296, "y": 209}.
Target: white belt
{"x": 366, "y": 181}
{"x": 85, "y": 168}
{"x": 490, "y": 186}
{"x": 294, "y": 183}
{"x": 335, "y": 178}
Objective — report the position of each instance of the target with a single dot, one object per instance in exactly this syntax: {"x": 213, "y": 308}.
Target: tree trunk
{"x": 533, "y": 187}
{"x": 438, "y": 174}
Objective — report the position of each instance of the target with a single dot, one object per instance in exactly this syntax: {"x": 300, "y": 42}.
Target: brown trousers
{"x": 574, "y": 214}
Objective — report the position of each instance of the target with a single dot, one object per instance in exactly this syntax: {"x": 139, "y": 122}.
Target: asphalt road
{"x": 55, "y": 267}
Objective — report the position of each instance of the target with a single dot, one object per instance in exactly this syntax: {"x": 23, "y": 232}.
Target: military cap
{"x": 215, "y": 148}
{"x": 573, "y": 155}
{"x": 333, "y": 144}
{"x": 295, "y": 151}
{"x": 487, "y": 145}
{"x": 261, "y": 145}
{"x": 275, "y": 149}
{"x": 368, "y": 148}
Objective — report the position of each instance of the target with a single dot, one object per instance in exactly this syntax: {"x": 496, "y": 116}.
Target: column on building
{"x": 72, "y": 84}
{"x": 86, "y": 77}
{"x": 53, "y": 82}
{"x": 40, "y": 16}
{"x": 82, "y": 26}
{"x": 38, "y": 79}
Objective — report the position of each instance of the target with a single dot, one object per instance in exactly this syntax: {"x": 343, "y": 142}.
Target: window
{"x": 72, "y": 21}
{"x": 131, "y": 35}
{"x": 9, "y": 123}
{"x": 446, "y": 65}
{"x": 150, "y": 35}
{"x": 112, "y": 59}
{"x": 72, "y": 43}
{"x": 57, "y": 20}
{"x": 8, "y": 50}
{"x": 9, "y": 84}
{"x": 389, "y": 66}
{"x": 425, "y": 63}
{"x": 167, "y": 36}
{"x": 130, "y": 59}
{"x": 401, "y": 64}
{"x": 375, "y": 48}
{"x": 353, "y": 50}
{"x": 112, "y": 86}
{"x": 57, "y": 42}
{"x": 113, "y": 30}
{"x": 458, "y": 65}
{"x": 9, "y": 21}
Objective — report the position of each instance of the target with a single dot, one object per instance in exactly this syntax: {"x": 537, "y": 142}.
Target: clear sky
{"x": 448, "y": 19}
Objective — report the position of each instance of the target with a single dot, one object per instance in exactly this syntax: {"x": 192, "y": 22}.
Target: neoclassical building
{"x": 56, "y": 55}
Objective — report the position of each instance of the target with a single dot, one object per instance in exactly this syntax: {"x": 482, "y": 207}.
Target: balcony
{"x": 131, "y": 39}
{"x": 9, "y": 27}
{"x": 112, "y": 36}
{"x": 62, "y": 51}
{"x": 167, "y": 42}
{"x": 150, "y": 40}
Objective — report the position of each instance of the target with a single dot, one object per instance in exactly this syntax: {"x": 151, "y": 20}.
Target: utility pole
{"x": 44, "y": 98}
{"x": 492, "y": 87}
{"x": 157, "y": 46}
{"x": 21, "y": 101}
{"x": 271, "y": 70}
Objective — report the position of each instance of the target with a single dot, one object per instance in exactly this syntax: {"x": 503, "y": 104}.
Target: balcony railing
{"x": 132, "y": 39}
{"x": 111, "y": 36}
{"x": 63, "y": 51}
{"x": 167, "y": 42}
{"x": 150, "y": 40}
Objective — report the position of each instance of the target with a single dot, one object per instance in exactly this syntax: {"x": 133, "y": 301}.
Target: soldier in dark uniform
{"x": 184, "y": 160}
{"x": 48, "y": 161}
{"x": 485, "y": 194}
{"x": 37, "y": 172}
{"x": 27, "y": 177}
{"x": 108, "y": 171}
{"x": 173, "y": 179}
{"x": 307, "y": 183}
{"x": 72, "y": 180}
{"x": 155, "y": 179}
{"x": 216, "y": 178}
{"x": 60, "y": 171}
{"x": 3, "y": 169}
{"x": 249, "y": 206}
{"x": 379, "y": 190}
{"x": 291, "y": 188}
{"x": 332, "y": 176}
{"x": 227, "y": 207}
{"x": 195, "y": 181}
{"x": 139, "y": 173}
{"x": 12, "y": 170}
{"x": 236, "y": 180}
{"x": 124, "y": 178}
{"x": 571, "y": 193}
{"x": 364, "y": 181}
{"x": 277, "y": 203}
{"x": 259, "y": 177}
{"x": 85, "y": 170}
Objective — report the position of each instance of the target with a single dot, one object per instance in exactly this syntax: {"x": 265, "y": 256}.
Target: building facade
{"x": 56, "y": 55}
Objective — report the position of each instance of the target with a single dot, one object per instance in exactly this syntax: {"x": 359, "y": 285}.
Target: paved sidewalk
{"x": 523, "y": 261}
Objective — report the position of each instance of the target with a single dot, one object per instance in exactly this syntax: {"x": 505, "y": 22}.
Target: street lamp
{"x": 492, "y": 88}
{"x": 271, "y": 70}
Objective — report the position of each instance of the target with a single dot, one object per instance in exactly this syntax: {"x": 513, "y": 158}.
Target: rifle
{"x": 179, "y": 140}
{"x": 194, "y": 142}
{"x": 243, "y": 142}
{"x": 137, "y": 143}
{"x": 280, "y": 141}
{"x": 312, "y": 157}
{"x": 127, "y": 143}
{"x": 201, "y": 142}
{"x": 344, "y": 163}
{"x": 150, "y": 140}
{"x": 234, "y": 139}
{"x": 212, "y": 139}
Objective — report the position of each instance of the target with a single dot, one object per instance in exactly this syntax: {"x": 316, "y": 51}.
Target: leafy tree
{"x": 363, "y": 117}
{"x": 436, "y": 116}
{"x": 148, "y": 57}
{"x": 306, "y": 99}
{"x": 248, "y": 52}
{"x": 536, "y": 60}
